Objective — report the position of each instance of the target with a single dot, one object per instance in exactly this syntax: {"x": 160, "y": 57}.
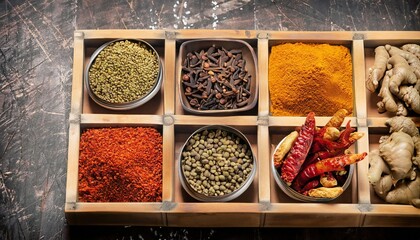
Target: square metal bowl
{"x": 195, "y": 47}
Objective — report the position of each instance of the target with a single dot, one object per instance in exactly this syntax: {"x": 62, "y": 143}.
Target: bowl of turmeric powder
{"x": 315, "y": 164}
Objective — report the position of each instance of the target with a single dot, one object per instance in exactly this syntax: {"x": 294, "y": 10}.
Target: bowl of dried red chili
{"x": 315, "y": 164}
{"x": 123, "y": 74}
{"x": 334, "y": 183}
{"x": 216, "y": 164}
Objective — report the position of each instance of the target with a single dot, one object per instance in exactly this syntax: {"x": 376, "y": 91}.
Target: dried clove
{"x": 216, "y": 78}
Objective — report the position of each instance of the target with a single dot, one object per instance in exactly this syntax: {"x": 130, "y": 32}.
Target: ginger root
{"x": 394, "y": 167}
{"x": 407, "y": 125}
{"x": 404, "y": 192}
{"x": 402, "y": 110}
{"x": 412, "y": 48}
{"x": 413, "y": 62}
{"x": 388, "y": 102}
{"x": 415, "y": 202}
{"x": 377, "y": 167}
{"x": 400, "y": 80}
{"x": 411, "y": 97}
{"x": 411, "y": 58}
{"x": 402, "y": 73}
{"x": 377, "y": 72}
{"x": 401, "y": 123}
{"x": 383, "y": 186}
{"x": 397, "y": 151}
{"x": 416, "y": 158}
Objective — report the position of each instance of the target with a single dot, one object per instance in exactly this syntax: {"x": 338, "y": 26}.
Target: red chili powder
{"x": 120, "y": 165}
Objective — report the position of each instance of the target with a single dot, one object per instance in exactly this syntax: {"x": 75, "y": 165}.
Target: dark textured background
{"x": 36, "y": 51}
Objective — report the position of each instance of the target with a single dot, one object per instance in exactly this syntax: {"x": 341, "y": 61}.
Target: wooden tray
{"x": 263, "y": 204}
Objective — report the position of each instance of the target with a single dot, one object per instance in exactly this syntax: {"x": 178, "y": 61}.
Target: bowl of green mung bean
{"x": 123, "y": 74}
{"x": 216, "y": 164}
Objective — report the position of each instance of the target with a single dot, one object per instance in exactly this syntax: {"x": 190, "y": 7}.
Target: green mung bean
{"x": 216, "y": 172}
{"x": 124, "y": 71}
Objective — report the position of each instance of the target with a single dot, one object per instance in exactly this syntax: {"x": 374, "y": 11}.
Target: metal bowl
{"x": 298, "y": 196}
{"x": 221, "y": 198}
{"x": 131, "y": 104}
{"x": 248, "y": 55}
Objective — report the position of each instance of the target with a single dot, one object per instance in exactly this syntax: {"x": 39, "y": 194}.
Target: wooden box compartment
{"x": 278, "y": 196}
{"x": 374, "y": 136}
{"x": 263, "y": 204}
{"x": 152, "y": 107}
{"x": 188, "y": 211}
{"x": 378, "y": 212}
{"x": 115, "y": 213}
{"x": 183, "y": 132}
{"x": 372, "y": 98}
{"x": 334, "y": 40}
{"x": 287, "y": 212}
{"x": 179, "y": 110}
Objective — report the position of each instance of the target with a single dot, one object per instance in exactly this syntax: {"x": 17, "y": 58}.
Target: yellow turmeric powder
{"x": 310, "y": 77}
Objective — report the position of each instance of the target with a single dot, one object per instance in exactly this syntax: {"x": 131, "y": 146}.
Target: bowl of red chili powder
{"x": 120, "y": 164}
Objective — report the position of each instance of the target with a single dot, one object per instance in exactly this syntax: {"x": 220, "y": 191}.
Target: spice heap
{"x": 216, "y": 162}
{"x": 310, "y": 77}
{"x": 120, "y": 165}
{"x": 313, "y": 161}
{"x": 124, "y": 71}
{"x": 216, "y": 79}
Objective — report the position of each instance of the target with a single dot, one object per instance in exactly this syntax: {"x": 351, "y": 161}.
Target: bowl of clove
{"x": 123, "y": 74}
{"x": 314, "y": 164}
{"x": 217, "y": 76}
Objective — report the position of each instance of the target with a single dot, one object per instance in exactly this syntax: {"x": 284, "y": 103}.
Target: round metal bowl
{"x": 131, "y": 104}
{"x": 298, "y": 196}
{"x": 220, "y": 198}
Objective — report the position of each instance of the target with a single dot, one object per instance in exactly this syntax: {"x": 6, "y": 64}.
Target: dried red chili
{"x": 310, "y": 185}
{"x": 299, "y": 151}
{"x": 323, "y": 148}
{"x": 337, "y": 163}
{"x": 120, "y": 165}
